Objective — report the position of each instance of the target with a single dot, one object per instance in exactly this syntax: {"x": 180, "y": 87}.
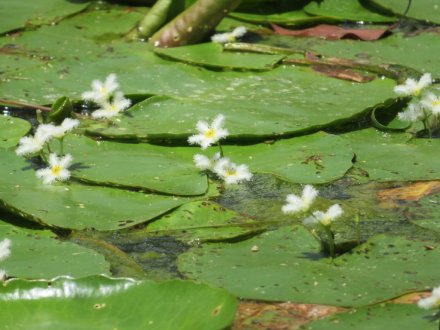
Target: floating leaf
{"x": 74, "y": 205}
{"x": 212, "y": 55}
{"x": 288, "y": 266}
{"x": 383, "y": 316}
{"x": 426, "y": 213}
{"x": 41, "y": 254}
{"x": 202, "y": 221}
{"x": 142, "y": 166}
{"x": 18, "y": 14}
{"x": 415, "y": 51}
{"x": 284, "y": 101}
{"x": 393, "y": 157}
{"x": 101, "y": 303}
{"x": 344, "y": 10}
{"x": 11, "y": 130}
{"x": 426, "y": 10}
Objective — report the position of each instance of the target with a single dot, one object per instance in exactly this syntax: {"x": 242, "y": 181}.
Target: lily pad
{"x": 288, "y": 266}
{"x": 383, "y": 316}
{"x": 393, "y": 156}
{"x": 102, "y": 303}
{"x": 287, "y": 13}
{"x": 426, "y": 10}
{"x": 345, "y": 10}
{"x": 426, "y": 213}
{"x": 304, "y": 159}
{"x": 18, "y": 14}
{"x": 202, "y": 221}
{"x": 41, "y": 254}
{"x": 142, "y": 166}
{"x": 73, "y": 205}
{"x": 417, "y": 52}
{"x": 263, "y": 105}
{"x": 11, "y": 130}
{"x": 212, "y": 55}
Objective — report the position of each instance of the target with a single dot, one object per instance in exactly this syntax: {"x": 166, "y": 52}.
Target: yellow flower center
{"x": 417, "y": 91}
{"x": 231, "y": 38}
{"x": 231, "y": 172}
{"x": 209, "y": 134}
{"x": 436, "y": 103}
{"x": 56, "y": 170}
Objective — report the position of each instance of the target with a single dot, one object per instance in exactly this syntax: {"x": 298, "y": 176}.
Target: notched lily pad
{"x": 73, "y": 205}
{"x": 289, "y": 266}
{"x": 142, "y": 166}
{"x": 395, "y": 156}
{"x": 41, "y": 254}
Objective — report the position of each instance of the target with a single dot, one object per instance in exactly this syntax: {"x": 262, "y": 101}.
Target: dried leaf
{"x": 412, "y": 192}
{"x": 279, "y": 316}
{"x": 343, "y": 73}
{"x": 332, "y": 32}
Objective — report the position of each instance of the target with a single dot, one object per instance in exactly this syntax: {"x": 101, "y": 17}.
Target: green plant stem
{"x": 221, "y": 150}
{"x": 62, "y": 146}
{"x": 43, "y": 156}
{"x": 331, "y": 241}
{"x": 193, "y": 24}
{"x": 152, "y": 21}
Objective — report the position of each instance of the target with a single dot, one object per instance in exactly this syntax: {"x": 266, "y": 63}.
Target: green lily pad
{"x": 11, "y": 130}
{"x": 101, "y": 303}
{"x": 264, "y": 105}
{"x": 202, "y": 221}
{"x": 426, "y": 10}
{"x": 417, "y": 51}
{"x": 41, "y": 254}
{"x": 383, "y": 316}
{"x": 394, "y": 157}
{"x": 212, "y": 55}
{"x": 18, "y": 14}
{"x": 73, "y": 205}
{"x": 426, "y": 213}
{"x": 143, "y": 166}
{"x": 304, "y": 159}
{"x": 346, "y": 10}
{"x": 288, "y": 266}
{"x": 287, "y": 13}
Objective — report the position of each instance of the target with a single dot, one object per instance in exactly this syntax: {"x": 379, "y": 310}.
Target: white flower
{"x": 223, "y": 38}
{"x": 413, "y": 113}
{"x": 205, "y": 163}
{"x": 101, "y": 92}
{"x": 5, "y": 249}
{"x": 31, "y": 144}
{"x": 2, "y": 275}
{"x": 432, "y": 301}
{"x": 300, "y": 204}
{"x": 67, "y": 125}
{"x": 57, "y": 169}
{"x": 432, "y": 103}
{"x": 230, "y": 172}
{"x": 112, "y": 108}
{"x": 413, "y": 87}
{"x": 209, "y": 134}
{"x": 325, "y": 219}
